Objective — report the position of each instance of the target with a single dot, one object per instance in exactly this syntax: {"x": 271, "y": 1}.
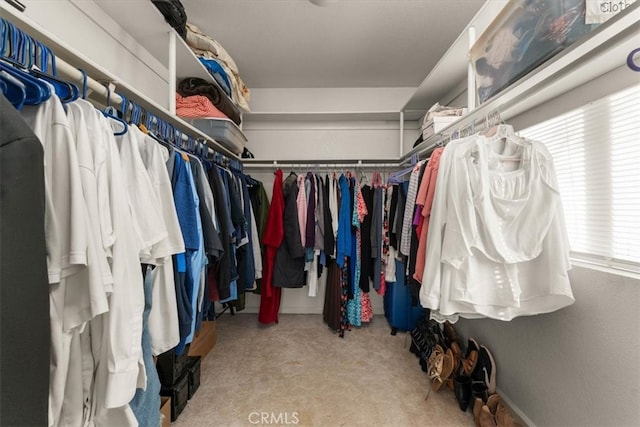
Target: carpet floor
{"x": 299, "y": 372}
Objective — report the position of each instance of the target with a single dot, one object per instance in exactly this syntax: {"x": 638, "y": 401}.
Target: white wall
{"x": 321, "y": 139}
{"x": 329, "y": 99}
{"x": 577, "y": 366}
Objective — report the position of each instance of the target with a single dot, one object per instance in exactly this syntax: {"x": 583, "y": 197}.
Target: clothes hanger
{"x": 12, "y": 89}
{"x": 395, "y": 177}
{"x": 66, "y": 91}
{"x": 14, "y": 62}
{"x": 25, "y": 55}
{"x": 36, "y": 91}
{"x": 111, "y": 113}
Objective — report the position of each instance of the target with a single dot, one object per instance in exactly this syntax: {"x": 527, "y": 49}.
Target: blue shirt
{"x": 344, "y": 222}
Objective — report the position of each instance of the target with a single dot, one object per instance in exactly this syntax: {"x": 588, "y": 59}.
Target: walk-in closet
{"x": 319, "y": 213}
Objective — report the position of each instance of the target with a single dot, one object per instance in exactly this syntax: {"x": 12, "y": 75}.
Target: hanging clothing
{"x": 273, "y": 237}
{"x": 187, "y": 207}
{"x": 414, "y": 285}
{"x": 344, "y": 226}
{"x": 288, "y": 270}
{"x": 331, "y": 313}
{"x": 366, "y": 240}
{"x": 407, "y": 219}
{"x": 329, "y": 231}
{"x": 23, "y": 393}
{"x": 224, "y": 272}
{"x": 146, "y": 401}
{"x": 492, "y": 216}
{"x": 424, "y": 199}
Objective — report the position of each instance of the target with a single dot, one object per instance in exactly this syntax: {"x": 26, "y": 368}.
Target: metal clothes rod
{"x": 318, "y": 165}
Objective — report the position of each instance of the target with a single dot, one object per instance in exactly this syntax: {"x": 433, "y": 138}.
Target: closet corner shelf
{"x": 451, "y": 69}
{"x": 320, "y": 116}
{"x": 143, "y": 21}
{"x": 96, "y": 71}
{"x": 598, "y": 53}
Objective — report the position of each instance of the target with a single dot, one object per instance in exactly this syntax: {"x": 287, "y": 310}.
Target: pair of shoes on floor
{"x": 492, "y": 413}
{"x": 478, "y": 363}
{"x": 476, "y": 377}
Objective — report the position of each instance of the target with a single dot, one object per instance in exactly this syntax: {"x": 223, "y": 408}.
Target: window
{"x": 596, "y": 151}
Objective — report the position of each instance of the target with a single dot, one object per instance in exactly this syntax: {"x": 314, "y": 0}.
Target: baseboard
{"x": 515, "y": 410}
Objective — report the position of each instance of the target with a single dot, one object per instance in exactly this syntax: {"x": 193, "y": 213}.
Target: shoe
{"x": 504, "y": 417}
{"x": 471, "y": 357}
{"x": 479, "y": 391}
{"x": 486, "y": 418}
{"x": 457, "y": 365}
{"x": 462, "y": 391}
{"x": 445, "y": 372}
{"x": 471, "y": 346}
{"x": 477, "y": 407}
{"x": 450, "y": 334}
{"x": 492, "y": 403}
{"x": 485, "y": 369}
{"x": 435, "y": 362}
{"x": 469, "y": 363}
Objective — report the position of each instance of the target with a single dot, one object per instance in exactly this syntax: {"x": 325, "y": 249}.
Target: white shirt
{"x": 92, "y": 162}
{"x": 494, "y": 235}
{"x": 65, "y": 231}
{"x": 66, "y": 244}
{"x": 145, "y": 207}
{"x": 122, "y": 326}
{"x": 163, "y": 317}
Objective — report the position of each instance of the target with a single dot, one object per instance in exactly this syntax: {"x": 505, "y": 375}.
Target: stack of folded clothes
{"x": 194, "y": 86}
{"x": 220, "y": 64}
{"x": 197, "y": 106}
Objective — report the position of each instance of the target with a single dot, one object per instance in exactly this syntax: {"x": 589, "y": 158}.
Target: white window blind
{"x": 596, "y": 151}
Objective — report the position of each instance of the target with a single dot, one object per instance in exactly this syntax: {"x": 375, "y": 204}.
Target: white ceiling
{"x": 345, "y": 43}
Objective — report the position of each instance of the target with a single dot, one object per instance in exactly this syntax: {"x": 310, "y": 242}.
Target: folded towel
{"x": 197, "y": 106}
{"x": 195, "y": 86}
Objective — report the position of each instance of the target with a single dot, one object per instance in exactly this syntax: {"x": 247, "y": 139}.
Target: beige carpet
{"x": 299, "y": 370}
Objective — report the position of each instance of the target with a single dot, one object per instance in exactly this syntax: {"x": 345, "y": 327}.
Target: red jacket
{"x": 273, "y": 235}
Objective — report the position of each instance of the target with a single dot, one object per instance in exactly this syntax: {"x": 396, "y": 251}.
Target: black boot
{"x": 462, "y": 390}
{"x": 479, "y": 391}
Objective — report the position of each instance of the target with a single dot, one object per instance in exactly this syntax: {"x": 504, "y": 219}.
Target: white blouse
{"x": 496, "y": 232}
